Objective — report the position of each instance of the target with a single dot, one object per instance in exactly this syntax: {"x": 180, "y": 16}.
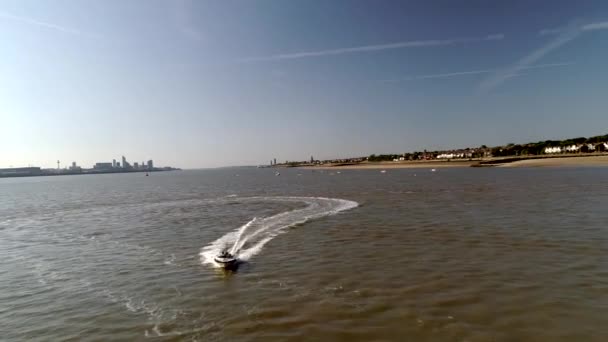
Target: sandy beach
{"x": 395, "y": 165}
{"x": 601, "y": 160}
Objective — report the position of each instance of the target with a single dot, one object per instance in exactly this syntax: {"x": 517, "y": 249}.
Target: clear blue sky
{"x": 213, "y": 83}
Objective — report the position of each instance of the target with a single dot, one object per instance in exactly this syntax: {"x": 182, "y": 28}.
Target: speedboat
{"x": 226, "y": 260}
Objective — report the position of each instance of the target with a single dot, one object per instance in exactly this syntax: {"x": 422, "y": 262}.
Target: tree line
{"x": 537, "y": 148}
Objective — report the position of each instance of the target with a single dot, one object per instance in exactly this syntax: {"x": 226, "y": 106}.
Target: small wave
{"x": 249, "y": 239}
{"x": 170, "y": 260}
{"x": 139, "y": 306}
{"x": 156, "y": 331}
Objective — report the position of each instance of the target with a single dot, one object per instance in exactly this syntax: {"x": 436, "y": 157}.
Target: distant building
{"x": 555, "y": 149}
{"x": 20, "y": 171}
{"x": 572, "y": 148}
{"x": 451, "y": 155}
{"x": 275, "y": 161}
{"x": 312, "y": 160}
{"x": 118, "y": 165}
{"x": 75, "y": 167}
{"x": 125, "y": 164}
{"x": 136, "y": 165}
{"x": 102, "y": 166}
{"x": 114, "y": 163}
{"x": 150, "y": 164}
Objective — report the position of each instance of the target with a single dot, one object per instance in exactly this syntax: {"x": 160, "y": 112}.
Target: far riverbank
{"x": 533, "y": 161}
{"x": 394, "y": 165}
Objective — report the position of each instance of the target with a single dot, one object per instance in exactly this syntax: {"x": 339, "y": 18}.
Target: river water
{"x": 468, "y": 254}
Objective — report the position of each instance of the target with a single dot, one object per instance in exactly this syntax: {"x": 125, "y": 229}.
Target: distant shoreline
{"x": 545, "y": 161}
{"x": 393, "y": 165}
{"x": 82, "y": 173}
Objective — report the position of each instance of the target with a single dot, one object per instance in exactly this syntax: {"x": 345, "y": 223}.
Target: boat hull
{"x": 227, "y": 263}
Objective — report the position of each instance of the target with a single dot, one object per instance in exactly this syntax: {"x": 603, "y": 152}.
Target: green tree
{"x": 496, "y": 151}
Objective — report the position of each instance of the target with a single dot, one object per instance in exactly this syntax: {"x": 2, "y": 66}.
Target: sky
{"x": 197, "y": 84}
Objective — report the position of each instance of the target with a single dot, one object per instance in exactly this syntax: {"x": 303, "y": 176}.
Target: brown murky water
{"x": 410, "y": 255}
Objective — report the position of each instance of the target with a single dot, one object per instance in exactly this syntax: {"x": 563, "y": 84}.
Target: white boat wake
{"x": 248, "y": 240}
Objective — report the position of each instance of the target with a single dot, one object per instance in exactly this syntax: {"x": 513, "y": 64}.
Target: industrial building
{"x": 20, "y": 172}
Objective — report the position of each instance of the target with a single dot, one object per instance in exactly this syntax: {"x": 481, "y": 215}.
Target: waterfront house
{"x": 601, "y": 147}
{"x": 572, "y": 148}
{"x": 553, "y": 149}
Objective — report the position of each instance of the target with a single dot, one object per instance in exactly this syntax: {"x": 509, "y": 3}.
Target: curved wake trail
{"x": 249, "y": 239}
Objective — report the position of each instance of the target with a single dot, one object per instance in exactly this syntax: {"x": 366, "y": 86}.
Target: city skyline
{"x": 209, "y": 84}
{"x": 73, "y": 164}
{"x": 74, "y": 168}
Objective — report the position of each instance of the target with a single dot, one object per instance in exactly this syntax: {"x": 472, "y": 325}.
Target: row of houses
{"x": 455, "y": 155}
{"x": 343, "y": 161}
{"x": 601, "y": 147}
{"x": 462, "y": 153}
{"x": 451, "y": 154}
